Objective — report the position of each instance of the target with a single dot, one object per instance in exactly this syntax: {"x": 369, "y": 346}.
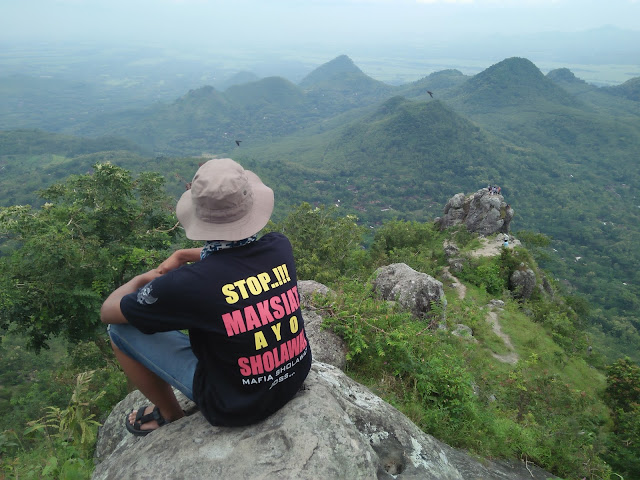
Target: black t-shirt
{"x": 242, "y": 309}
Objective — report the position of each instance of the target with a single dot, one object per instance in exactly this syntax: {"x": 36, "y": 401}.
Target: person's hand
{"x": 146, "y": 277}
{"x": 179, "y": 258}
{"x": 170, "y": 263}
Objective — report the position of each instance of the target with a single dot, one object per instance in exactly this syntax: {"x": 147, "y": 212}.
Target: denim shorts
{"x": 167, "y": 354}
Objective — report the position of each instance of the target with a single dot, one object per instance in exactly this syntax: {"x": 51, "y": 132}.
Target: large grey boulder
{"x": 522, "y": 282}
{"x": 411, "y": 289}
{"x": 307, "y": 289}
{"x": 481, "y": 213}
{"x": 327, "y": 347}
{"x": 334, "y": 428}
{"x": 455, "y": 210}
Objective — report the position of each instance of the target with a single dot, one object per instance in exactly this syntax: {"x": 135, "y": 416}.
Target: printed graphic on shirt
{"x": 274, "y": 356}
{"x": 144, "y": 295}
{"x": 255, "y": 285}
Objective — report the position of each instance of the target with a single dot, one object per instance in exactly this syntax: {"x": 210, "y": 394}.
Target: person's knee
{"x": 116, "y": 334}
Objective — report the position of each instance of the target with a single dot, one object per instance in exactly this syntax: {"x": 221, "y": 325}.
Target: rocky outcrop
{"x": 455, "y": 211}
{"x": 308, "y": 288}
{"x": 327, "y": 346}
{"x": 413, "y": 290}
{"x": 463, "y": 331}
{"x": 333, "y": 429}
{"x": 452, "y": 252}
{"x": 522, "y": 282}
{"x": 481, "y": 213}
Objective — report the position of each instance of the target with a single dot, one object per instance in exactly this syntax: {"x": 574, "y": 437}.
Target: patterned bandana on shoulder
{"x": 214, "y": 245}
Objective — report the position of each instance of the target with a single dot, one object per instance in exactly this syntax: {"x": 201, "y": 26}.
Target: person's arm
{"x": 110, "y": 311}
{"x": 179, "y": 258}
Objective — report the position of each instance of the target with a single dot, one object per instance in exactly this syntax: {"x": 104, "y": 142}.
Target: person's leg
{"x": 153, "y": 363}
{"x": 153, "y": 387}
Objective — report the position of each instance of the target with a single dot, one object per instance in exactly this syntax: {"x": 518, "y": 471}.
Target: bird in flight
{"x": 430, "y": 93}
{"x": 238, "y": 142}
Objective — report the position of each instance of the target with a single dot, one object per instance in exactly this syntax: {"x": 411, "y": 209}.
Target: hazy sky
{"x": 391, "y": 40}
{"x": 266, "y": 22}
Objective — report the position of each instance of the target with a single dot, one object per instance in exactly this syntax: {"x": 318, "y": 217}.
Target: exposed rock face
{"x": 481, "y": 212}
{"x": 334, "y": 428}
{"x": 495, "y": 303}
{"x": 327, "y": 347}
{"x": 412, "y": 290}
{"x": 454, "y": 210}
{"x": 463, "y": 331}
{"x": 307, "y": 288}
{"x": 450, "y": 249}
{"x": 456, "y": 264}
{"x": 522, "y": 283}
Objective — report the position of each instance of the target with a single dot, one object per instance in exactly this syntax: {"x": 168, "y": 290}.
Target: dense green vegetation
{"x": 563, "y": 156}
{"x": 556, "y": 407}
{"x": 59, "y": 262}
{"x": 50, "y": 407}
{"x": 562, "y": 150}
{"x": 62, "y": 259}
{"x": 386, "y": 159}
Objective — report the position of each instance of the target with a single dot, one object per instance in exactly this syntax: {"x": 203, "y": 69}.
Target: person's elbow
{"x": 110, "y": 312}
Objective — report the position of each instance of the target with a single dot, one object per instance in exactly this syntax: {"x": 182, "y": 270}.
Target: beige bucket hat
{"x": 225, "y": 202}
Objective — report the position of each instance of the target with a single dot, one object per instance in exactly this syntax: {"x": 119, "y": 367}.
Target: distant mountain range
{"x": 564, "y": 152}
{"x": 209, "y": 120}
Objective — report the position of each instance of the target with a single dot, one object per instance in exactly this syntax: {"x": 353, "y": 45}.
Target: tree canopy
{"x": 59, "y": 261}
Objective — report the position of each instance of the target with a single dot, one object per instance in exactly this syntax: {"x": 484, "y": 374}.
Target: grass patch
{"x": 546, "y": 408}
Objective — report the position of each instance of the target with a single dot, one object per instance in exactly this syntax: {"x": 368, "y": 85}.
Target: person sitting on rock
{"x": 246, "y": 353}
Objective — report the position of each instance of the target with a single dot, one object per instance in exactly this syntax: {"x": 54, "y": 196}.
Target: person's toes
{"x": 152, "y": 425}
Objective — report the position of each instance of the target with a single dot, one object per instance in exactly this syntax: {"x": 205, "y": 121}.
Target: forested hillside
{"x": 554, "y": 402}
{"x": 563, "y": 151}
{"x": 566, "y": 164}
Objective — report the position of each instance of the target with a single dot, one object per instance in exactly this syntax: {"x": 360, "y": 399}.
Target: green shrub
{"x": 419, "y": 245}
{"x": 486, "y": 273}
{"x": 326, "y": 246}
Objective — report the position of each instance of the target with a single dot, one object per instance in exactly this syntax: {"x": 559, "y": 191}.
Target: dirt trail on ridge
{"x": 511, "y": 357}
{"x": 490, "y": 247}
